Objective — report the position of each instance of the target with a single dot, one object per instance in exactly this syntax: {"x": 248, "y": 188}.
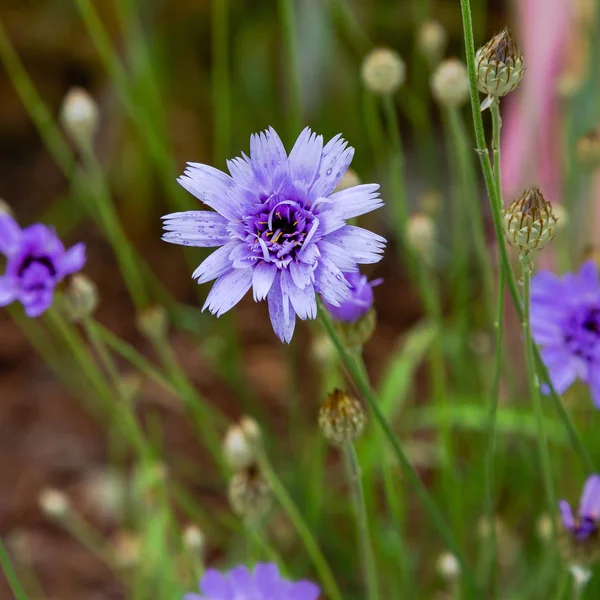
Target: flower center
{"x": 585, "y": 528}
{"x": 32, "y": 260}
{"x": 583, "y": 332}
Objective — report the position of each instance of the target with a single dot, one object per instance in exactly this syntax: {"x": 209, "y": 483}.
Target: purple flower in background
{"x": 263, "y": 583}
{"x": 36, "y": 262}
{"x": 585, "y": 525}
{"x": 565, "y": 322}
{"x": 280, "y": 228}
{"x": 359, "y": 300}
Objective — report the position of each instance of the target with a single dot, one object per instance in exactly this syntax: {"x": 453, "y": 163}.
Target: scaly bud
{"x": 450, "y": 83}
{"x": 80, "y": 298}
{"x": 239, "y": 444}
{"x": 383, "y": 71}
{"x": 341, "y": 418}
{"x": 79, "y": 116}
{"x": 249, "y": 494}
{"x": 529, "y": 223}
{"x": 499, "y": 67}
{"x": 588, "y": 149}
{"x": 432, "y": 40}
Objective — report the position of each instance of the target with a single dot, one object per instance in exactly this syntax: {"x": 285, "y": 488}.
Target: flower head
{"x": 36, "y": 262}
{"x": 359, "y": 299}
{"x": 583, "y": 529}
{"x": 262, "y": 583}
{"x": 279, "y": 227}
{"x": 565, "y": 322}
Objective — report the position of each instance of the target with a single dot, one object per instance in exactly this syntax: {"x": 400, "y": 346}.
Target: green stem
{"x": 9, "y": 573}
{"x": 326, "y": 576}
{"x": 534, "y": 390}
{"x": 429, "y": 504}
{"x": 497, "y": 207}
{"x": 365, "y": 544}
{"x": 220, "y": 82}
{"x": 290, "y": 38}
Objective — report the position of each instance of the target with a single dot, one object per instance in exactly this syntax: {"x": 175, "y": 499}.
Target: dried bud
{"x": 450, "y": 83}
{"x": 80, "y": 298}
{"x": 153, "y": 323}
{"x": 383, "y": 71}
{"x": 432, "y": 40}
{"x": 448, "y": 566}
{"x": 239, "y": 445}
{"x": 249, "y": 494}
{"x": 79, "y": 116}
{"x": 349, "y": 179}
{"x": 54, "y": 504}
{"x": 341, "y": 418}
{"x": 193, "y": 539}
{"x": 421, "y": 235}
{"x": 499, "y": 66}
{"x": 529, "y": 223}
{"x": 588, "y": 149}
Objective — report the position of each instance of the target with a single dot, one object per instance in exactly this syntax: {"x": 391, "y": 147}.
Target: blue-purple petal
{"x": 282, "y": 320}
{"x": 215, "y": 265}
{"x": 196, "y": 228}
{"x": 355, "y": 201}
{"x": 305, "y": 157}
{"x": 10, "y": 235}
{"x": 262, "y": 279}
{"x": 330, "y": 282}
{"x": 335, "y": 160}
{"x": 589, "y": 505}
{"x": 228, "y": 290}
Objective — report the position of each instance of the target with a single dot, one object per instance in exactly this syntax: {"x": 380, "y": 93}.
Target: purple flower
{"x": 565, "y": 322}
{"x": 280, "y": 228}
{"x": 36, "y": 262}
{"x": 264, "y": 583}
{"x": 359, "y": 300}
{"x": 586, "y": 524}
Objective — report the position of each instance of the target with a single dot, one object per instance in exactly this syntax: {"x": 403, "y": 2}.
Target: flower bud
{"x": 421, "y": 235}
{"x": 383, "y": 71}
{"x": 588, "y": 149}
{"x": 529, "y": 223}
{"x": 153, "y": 323}
{"x": 432, "y": 39}
{"x": 54, "y": 504}
{"x": 193, "y": 539}
{"x": 126, "y": 549}
{"x": 450, "y": 83}
{"x": 349, "y": 179}
{"x": 544, "y": 528}
{"x": 79, "y": 116}
{"x": 448, "y": 566}
{"x": 249, "y": 494}
{"x": 80, "y": 298}
{"x": 342, "y": 418}
{"x": 5, "y": 208}
{"x": 499, "y": 66}
{"x": 239, "y": 445}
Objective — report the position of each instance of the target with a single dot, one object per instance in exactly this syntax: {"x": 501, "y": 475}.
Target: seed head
{"x": 153, "y": 323}
{"x": 249, "y": 494}
{"x": 341, "y": 418}
{"x": 432, "y": 40}
{"x": 421, "y": 235}
{"x": 448, "y": 566}
{"x": 499, "y": 65}
{"x": 383, "y": 71}
{"x": 450, "y": 83}
{"x": 588, "y": 149}
{"x": 529, "y": 223}
{"x": 239, "y": 444}
{"x": 80, "y": 298}
{"x": 79, "y": 116}
{"x": 193, "y": 538}
{"x": 54, "y": 504}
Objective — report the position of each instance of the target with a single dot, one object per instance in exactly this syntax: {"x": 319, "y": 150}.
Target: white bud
{"x": 421, "y": 234}
{"x": 432, "y": 40}
{"x": 79, "y": 116}
{"x": 54, "y": 504}
{"x": 80, "y": 298}
{"x": 193, "y": 539}
{"x": 450, "y": 83}
{"x": 126, "y": 549}
{"x": 239, "y": 444}
{"x": 349, "y": 179}
{"x": 581, "y": 576}
{"x": 5, "y": 208}
{"x": 448, "y": 566}
{"x": 383, "y": 71}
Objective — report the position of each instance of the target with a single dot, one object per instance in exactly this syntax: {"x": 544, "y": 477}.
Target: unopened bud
{"x": 448, "y": 566}
{"x": 126, "y": 549}
{"x": 239, "y": 445}
{"x": 54, "y": 504}
{"x": 529, "y": 223}
{"x": 588, "y": 149}
{"x": 383, "y": 71}
{"x": 349, "y": 179}
{"x": 544, "y": 528}
{"x": 153, "y": 323}
{"x": 421, "y": 235}
{"x": 249, "y": 494}
{"x": 432, "y": 40}
{"x": 342, "y": 418}
{"x": 450, "y": 83}
{"x": 499, "y": 66}
{"x": 5, "y": 208}
{"x": 193, "y": 539}
{"x": 79, "y": 116}
{"x": 80, "y": 298}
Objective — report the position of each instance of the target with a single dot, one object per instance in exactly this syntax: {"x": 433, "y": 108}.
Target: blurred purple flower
{"x": 565, "y": 321}
{"x": 36, "y": 262}
{"x": 280, "y": 228}
{"x": 263, "y": 583}
{"x": 585, "y": 525}
{"x": 359, "y": 300}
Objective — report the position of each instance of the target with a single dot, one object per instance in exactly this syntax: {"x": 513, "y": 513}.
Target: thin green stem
{"x": 326, "y": 576}
{"x": 534, "y": 390}
{"x": 365, "y": 543}
{"x": 364, "y": 386}
{"x": 220, "y": 79}
{"x": 290, "y": 39}
{"x": 9, "y": 573}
